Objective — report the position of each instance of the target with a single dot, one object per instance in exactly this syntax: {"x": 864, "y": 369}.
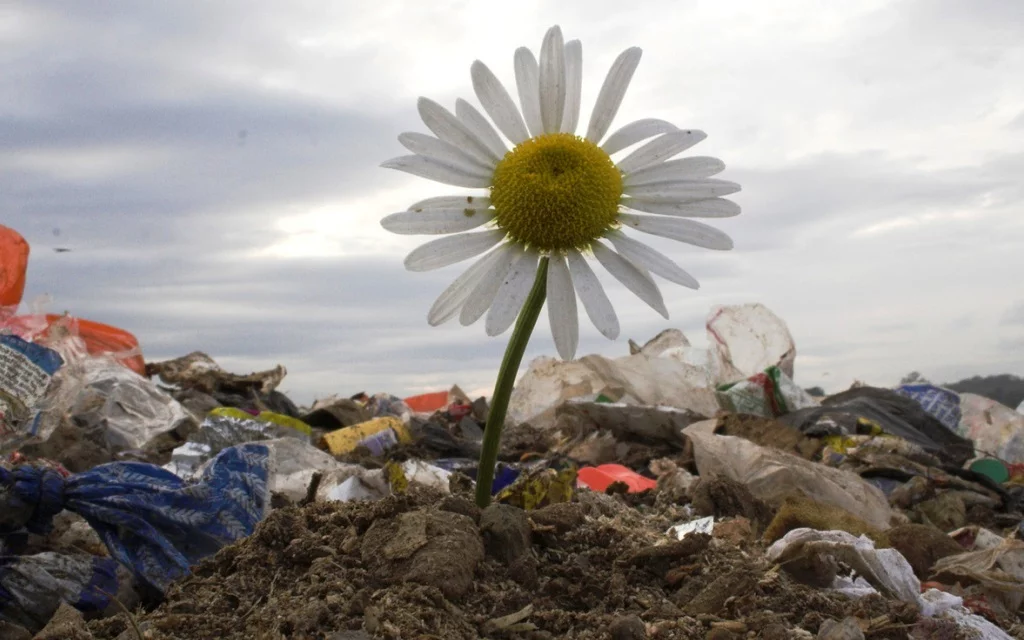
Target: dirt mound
{"x": 423, "y": 565}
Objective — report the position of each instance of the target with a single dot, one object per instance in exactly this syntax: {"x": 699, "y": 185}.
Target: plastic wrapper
{"x": 658, "y": 374}
{"x": 26, "y": 370}
{"x": 747, "y": 339}
{"x": 998, "y": 572}
{"x": 942, "y": 404}
{"x": 701, "y": 525}
{"x": 224, "y": 427}
{"x": 131, "y": 410}
{"x": 768, "y": 394}
{"x": 772, "y": 475}
{"x": 996, "y": 429}
{"x": 601, "y": 477}
{"x": 377, "y": 435}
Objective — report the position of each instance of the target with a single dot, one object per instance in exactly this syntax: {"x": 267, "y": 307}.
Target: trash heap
{"x": 673, "y": 492}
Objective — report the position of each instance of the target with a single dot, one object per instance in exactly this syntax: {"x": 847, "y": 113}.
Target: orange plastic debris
{"x": 99, "y": 338}
{"x": 599, "y": 478}
{"x": 428, "y": 402}
{"x": 13, "y": 264}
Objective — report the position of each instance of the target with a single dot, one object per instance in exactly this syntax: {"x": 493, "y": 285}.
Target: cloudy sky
{"x": 214, "y": 169}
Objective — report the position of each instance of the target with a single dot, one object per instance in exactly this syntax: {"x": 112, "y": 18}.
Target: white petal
{"x": 573, "y": 86}
{"x": 612, "y": 92}
{"x": 512, "y": 294}
{"x": 450, "y": 202}
{"x": 451, "y": 299}
{"x": 660, "y": 149}
{"x": 712, "y": 208}
{"x": 451, "y": 249}
{"x": 447, "y": 127}
{"x": 562, "y": 314}
{"x": 635, "y": 132}
{"x": 478, "y": 124}
{"x": 595, "y": 301}
{"x": 695, "y": 168}
{"x": 459, "y": 175}
{"x": 683, "y": 190}
{"x": 482, "y": 295}
{"x": 644, "y": 256}
{"x": 498, "y": 103}
{"x": 688, "y": 231}
{"x": 628, "y": 274}
{"x": 552, "y": 80}
{"x": 424, "y": 145}
{"x": 528, "y": 84}
{"x": 437, "y": 221}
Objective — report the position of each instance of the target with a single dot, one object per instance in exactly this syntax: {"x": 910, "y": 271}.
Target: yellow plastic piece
{"x": 346, "y": 439}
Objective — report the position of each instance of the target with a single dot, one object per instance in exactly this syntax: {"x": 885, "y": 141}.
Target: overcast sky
{"x": 214, "y": 169}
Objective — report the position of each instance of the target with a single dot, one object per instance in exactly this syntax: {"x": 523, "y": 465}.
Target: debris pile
{"x": 673, "y": 492}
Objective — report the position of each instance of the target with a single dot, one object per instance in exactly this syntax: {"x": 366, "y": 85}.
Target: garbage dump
{"x": 672, "y": 492}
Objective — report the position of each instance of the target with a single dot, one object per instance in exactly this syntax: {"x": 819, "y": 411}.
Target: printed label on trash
{"x": 26, "y": 369}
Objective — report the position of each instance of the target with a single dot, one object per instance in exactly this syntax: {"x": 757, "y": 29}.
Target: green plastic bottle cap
{"x": 992, "y": 468}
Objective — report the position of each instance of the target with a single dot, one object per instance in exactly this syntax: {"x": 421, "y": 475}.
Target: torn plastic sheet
{"x": 702, "y": 525}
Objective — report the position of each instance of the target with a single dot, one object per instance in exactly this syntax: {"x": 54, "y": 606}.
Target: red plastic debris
{"x": 600, "y": 477}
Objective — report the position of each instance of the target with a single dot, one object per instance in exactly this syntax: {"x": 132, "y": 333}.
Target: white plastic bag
{"x": 745, "y": 340}
{"x": 996, "y": 429}
{"x": 661, "y": 373}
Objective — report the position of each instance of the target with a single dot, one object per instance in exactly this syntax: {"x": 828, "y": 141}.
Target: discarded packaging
{"x": 225, "y": 427}
{"x": 941, "y": 403}
{"x": 746, "y": 340}
{"x": 772, "y": 475}
{"x": 995, "y": 429}
{"x": 601, "y": 477}
{"x": 25, "y": 373}
{"x": 998, "y": 572}
{"x": 768, "y": 394}
{"x": 702, "y": 525}
{"x": 378, "y": 435}
{"x": 13, "y": 265}
{"x": 659, "y": 374}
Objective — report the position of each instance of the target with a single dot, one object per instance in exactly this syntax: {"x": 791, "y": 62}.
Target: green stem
{"x": 506, "y": 380}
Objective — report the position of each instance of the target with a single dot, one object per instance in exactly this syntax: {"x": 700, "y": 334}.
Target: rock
{"x": 506, "y": 531}
{"x": 562, "y": 516}
{"x": 659, "y": 559}
{"x": 434, "y": 548}
{"x": 845, "y": 629}
{"x": 456, "y": 504}
{"x": 628, "y": 628}
{"x": 66, "y": 624}
{"x": 922, "y": 546}
{"x": 712, "y": 598}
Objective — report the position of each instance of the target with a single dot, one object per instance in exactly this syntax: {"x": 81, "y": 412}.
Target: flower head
{"x": 555, "y": 194}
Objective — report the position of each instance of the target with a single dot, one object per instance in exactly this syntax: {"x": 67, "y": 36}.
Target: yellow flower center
{"x": 556, "y": 192}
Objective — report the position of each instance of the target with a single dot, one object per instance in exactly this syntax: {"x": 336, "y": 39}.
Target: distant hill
{"x": 1004, "y": 388}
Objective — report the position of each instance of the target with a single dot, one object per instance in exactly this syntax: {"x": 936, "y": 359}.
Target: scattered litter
{"x": 701, "y": 525}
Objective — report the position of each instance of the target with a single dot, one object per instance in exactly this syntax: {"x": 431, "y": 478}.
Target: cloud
{"x": 214, "y": 170}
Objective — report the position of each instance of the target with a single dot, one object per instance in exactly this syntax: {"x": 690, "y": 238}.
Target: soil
{"x": 424, "y": 565}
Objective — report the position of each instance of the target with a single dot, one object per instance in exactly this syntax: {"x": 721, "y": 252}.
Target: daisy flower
{"x": 555, "y": 198}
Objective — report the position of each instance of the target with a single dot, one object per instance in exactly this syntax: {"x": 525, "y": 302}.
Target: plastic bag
{"x": 769, "y": 394}
{"x": 13, "y": 266}
{"x": 224, "y": 427}
{"x": 98, "y": 339}
{"x": 996, "y": 430}
{"x": 942, "y": 404}
{"x": 745, "y": 340}
{"x": 26, "y": 370}
{"x": 998, "y": 572}
{"x": 772, "y": 475}
{"x": 658, "y": 374}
